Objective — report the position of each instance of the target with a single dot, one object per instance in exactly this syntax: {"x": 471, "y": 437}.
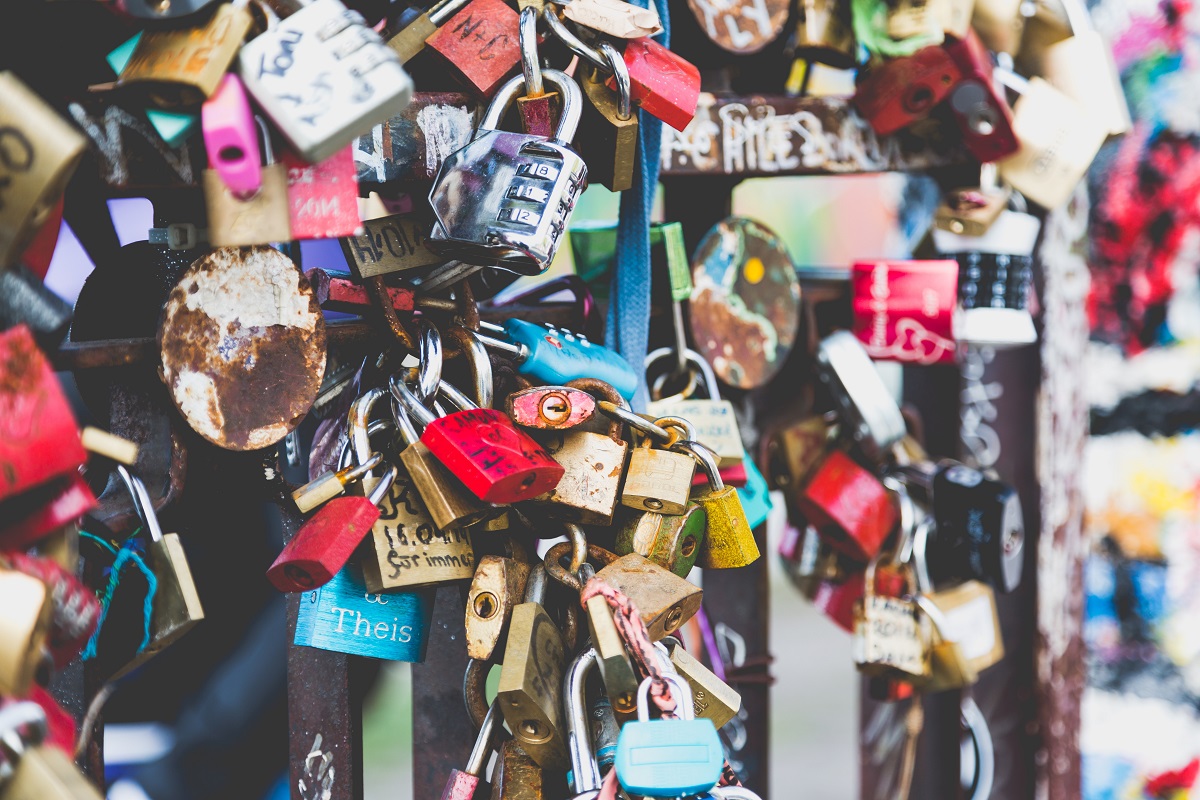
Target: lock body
{"x": 980, "y": 530}
{"x": 324, "y": 77}
{"x": 850, "y": 506}
{"x": 712, "y": 698}
{"x": 903, "y": 90}
{"x": 259, "y": 219}
{"x": 664, "y": 599}
{"x": 46, "y": 773}
{"x": 607, "y": 142}
{"x": 408, "y": 550}
{"x": 497, "y": 587}
{"x": 446, "y": 500}
{"x": 658, "y": 480}
{"x": 825, "y": 34}
{"x": 616, "y": 666}
{"x": 323, "y": 544}
{"x": 906, "y": 310}
{"x": 662, "y": 83}
{"x": 530, "y": 682}
{"x": 673, "y": 541}
{"x": 323, "y": 198}
{"x": 550, "y": 407}
{"x": 593, "y": 466}
{"x": 481, "y": 43}
{"x": 979, "y": 108}
{"x": 729, "y": 540}
{"x": 559, "y": 356}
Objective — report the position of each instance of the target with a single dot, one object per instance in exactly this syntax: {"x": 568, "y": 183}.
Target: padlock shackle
{"x": 707, "y": 460}
{"x": 920, "y": 557}
{"x": 359, "y": 423}
{"x": 381, "y": 490}
{"x": 346, "y": 457}
{"x": 142, "y": 505}
{"x": 479, "y": 362}
{"x": 535, "y": 585}
{"x": 444, "y": 9}
{"x": 690, "y": 356}
{"x": 568, "y": 90}
{"x": 681, "y": 691}
{"x": 573, "y": 42}
{"x": 985, "y": 761}
{"x": 421, "y": 415}
{"x": 530, "y": 68}
{"x": 456, "y": 397}
{"x": 428, "y": 374}
{"x": 585, "y": 772}
{"x": 620, "y": 72}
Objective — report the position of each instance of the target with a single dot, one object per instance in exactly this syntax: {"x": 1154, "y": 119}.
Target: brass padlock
{"x": 664, "y": 600}
{"x": 28, "y": 611}
{"x": 1083, "y": 68}
{"x": 608, "y": 131}
{"x": 714, "y": 419}
{"x": 672, "y": 541}
{"x": 888, "y": 638}
{"x": 999, "y": 24}
{"x": 616, "y": 666}
{"x": 182, "y": 67}
{"x": 728, "y": 539}
{"x": 795, "y": 451}
{"x": 970, "y": 211}
{"x": 949, "y": 667}
{"x": 261, "y": 218}
{"x": 594, "y": 463}
{"x": 177, "y": 607}
{"x": 31, "y": 768}
{"x": 712, "y": 698}
{"x": 531, "y": 681}
{"x": 516, "y": 775}
{"x": 825, "y": 34}
{"x": 41, "y": 152}
{"x": 658, "y": 479}
{"x": 496, "y": 589}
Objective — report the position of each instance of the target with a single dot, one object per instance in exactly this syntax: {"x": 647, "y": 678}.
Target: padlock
{"x": 344, "y": 617}
{"x": 906, "y": 310}
{"x": 712, "y": 698}
{"x": 324, "y": 78}
{"x": 26, "y": 300}
{"x": 176, "y": 605}
{"x": 664, "y": 600}
{"x": 794, "y": 451}
{"x": 32, "y": 769}
{"x": 495, "y": 460}
{"x": 323, "y": 197}
{"x": 548, "y": 354}
{"x": 39, "y": 439}
{"x": 668, "y": 757}
{"x": 470, "y": 783}
{"x": 36, "y": 514}
{"x": 659, "y": 479}
{"x": 1059, "y": 139}
{"x": 980, "y": 530}
{"x": 714, "y": 418}
{"x": 75, "y": 607}
{"x": 24, "y": 626}
{"x": 866, "y": 406}
{"x": 850, "y": 507}
{"x": 498, "y": 586}
{"x": 157, "y": 10}
{"x": 182, "y": 67}
{"x": 605, "y": 732}
{"x": 999, "y": 24}
{"x": 608, "y": 131}
{"x": 978, "y": 104}
{"x": 505, "y": 199}
{"x": 728, "y": 540}
{"x": 41, "y": 152}
{"x": 326, "y": 541}
{"x": 662, "y": 83}
{"x": 1083, "y": 68}
{"x": 331, "y": 484}
{"x": 949, "y": 668}
{"x": 900, "y": 91}
{"x": 755, "y": 494}
{"x": 616, "y": 665}
{"x": 481, "y": 44}
{"x": 593, "y": 464}
{"x": 410, "y": 40}
{"x": 538, "y": 108}
{"x": 517, "y": 776}
{"x": 825, "y": 34}
{"x": 585, "y": 770}
{"x": 615, "y": 18}
{"x": 970, "y": 211}
{"x": 888, "y": 638}
{"x": 231, "y": 138}
{"x": 672, "y": 541}
{"x": 550, "y": 407}
{"x": 259, "y": 218}
{"x": 531, "y": 678}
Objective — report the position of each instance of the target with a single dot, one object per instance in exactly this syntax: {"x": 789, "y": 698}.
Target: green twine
{"x": 870, "y": 27}
{"x": 123, "y": 558}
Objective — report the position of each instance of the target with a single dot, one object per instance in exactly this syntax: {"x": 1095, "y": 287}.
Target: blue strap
{"x": 126, "y": 555}
{"x": 629, "y": 309}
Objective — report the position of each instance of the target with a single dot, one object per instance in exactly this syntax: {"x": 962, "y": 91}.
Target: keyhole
{"x": 674, "y": 618}
{"x": 919, "y": 99}
{"x": 531, "y": 731}
{"x": 231, "y": 153}
{"x": 689, "y": 546}
{"x": 625, "y": 703}
{"x": 554, "y": 408}
{"x": 653, "y": 504}
{"x": 486, "y": 605}
{"x": 298, "y": 576}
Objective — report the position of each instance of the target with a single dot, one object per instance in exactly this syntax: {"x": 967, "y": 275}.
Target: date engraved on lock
{"x": 408, "y": 550}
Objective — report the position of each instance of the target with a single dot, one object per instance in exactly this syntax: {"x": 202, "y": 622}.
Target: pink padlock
{"x": 906, "y": 310}
{"x": 733, "y": 475}
{"x": 231, "y": 138}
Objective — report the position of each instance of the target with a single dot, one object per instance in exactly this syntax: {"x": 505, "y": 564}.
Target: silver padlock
{"x": 504, "y": 200}
{"x": 324, "y": 78}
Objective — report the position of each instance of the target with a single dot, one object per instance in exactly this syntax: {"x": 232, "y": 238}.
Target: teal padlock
{"x": 668, "y": 757}
{"x": 755, "y": 495}
{"x": 557, "y": 356}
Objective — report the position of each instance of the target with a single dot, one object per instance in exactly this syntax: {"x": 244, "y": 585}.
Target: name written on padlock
{"x": 390, "y": 244}
{"x": 409, "y": 550}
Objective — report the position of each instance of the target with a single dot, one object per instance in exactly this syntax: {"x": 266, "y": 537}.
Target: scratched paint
{"x": 319, "y": 773}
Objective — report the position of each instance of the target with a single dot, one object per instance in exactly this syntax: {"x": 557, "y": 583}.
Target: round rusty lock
{"x": 242, "y": 342}
{"x": 745, "y": 304}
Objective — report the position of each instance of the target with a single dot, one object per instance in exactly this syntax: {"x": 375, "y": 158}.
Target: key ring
{"x": 635, "y": 421}
{"x": 573, "y": 42}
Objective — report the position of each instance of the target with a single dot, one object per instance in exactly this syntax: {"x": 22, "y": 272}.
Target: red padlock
{"x": 76, "y": 610}
{"x": 482, "y": 447}
{"x": 323, "y": 198}
{"x": 906, "y": 310}
{"x": 849, "y": 506}
{"x": 663, "y": 83}
{"x": 902, "y": 90}
{"x": 982, "y": 113}
{"x": 733, "y": 475}
{"x": 481, "y": 43}
{"x": 39, "y": 439}
{"x": 38, "y": 513}
{"x": 836, "y": 600}
{"x": 326, "y": 541}
{"x": 61, "y": 730}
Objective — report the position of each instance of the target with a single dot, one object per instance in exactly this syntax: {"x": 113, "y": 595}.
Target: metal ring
{"x": 616, "y": 65}
{"x": 474, "y": 690}
{"x": 669, "y": 422}
{"x": 657, "y": 387}
{"x": 557, "y": 571}
{"x": 635, "y": 421}
{"x": 573, "y": 42}
{"x": 531, "y": 68}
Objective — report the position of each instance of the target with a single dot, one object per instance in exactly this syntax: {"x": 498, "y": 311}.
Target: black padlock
{"x": 25, "y": 299}
{"x": 980, "y": 528}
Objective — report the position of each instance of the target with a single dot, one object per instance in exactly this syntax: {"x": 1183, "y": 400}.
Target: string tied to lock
{"x": 122, "y": 558}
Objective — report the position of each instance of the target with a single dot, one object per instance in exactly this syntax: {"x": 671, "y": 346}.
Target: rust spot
{"x": 21, "y": 362}
{"x": 243, "y": 347}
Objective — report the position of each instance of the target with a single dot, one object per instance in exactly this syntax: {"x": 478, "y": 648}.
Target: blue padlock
{"x": 668, "y": 757}
{"x": 755, "y": 495}
{"x": 557, "y": 356}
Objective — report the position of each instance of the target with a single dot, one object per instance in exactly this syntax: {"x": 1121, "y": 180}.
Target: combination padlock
{"x": 668, "y": 757}
{"x": 504, "y": 200}
{"x": 324, "y": 78}
{"x": 548, "y": 354}
{"x": 980, "y": 531}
